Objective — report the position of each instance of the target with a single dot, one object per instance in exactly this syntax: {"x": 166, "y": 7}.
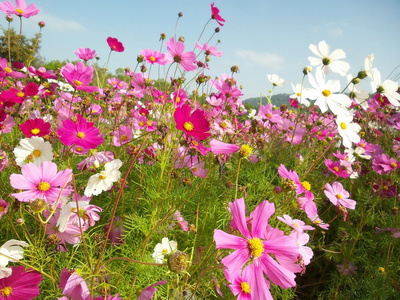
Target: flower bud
{"x": 235, "y": 69}
{"x": 20, "y": 221}
{"x": 162, "y": 36}
{"x": 355, "y": 80}
{"x": 178, "y": 261}
{"x": 143, "y": 69}
{"x": 181, "y": 39}
{"x": 41, "y": 24}
{"x": 362, "y": 74}
{"x": 217, "y": 30}
{"x": 38, "y": 205}
{"x": 180, "y": 14}
{"x": 307, "y": 70}
{"x": 9, "y": 18}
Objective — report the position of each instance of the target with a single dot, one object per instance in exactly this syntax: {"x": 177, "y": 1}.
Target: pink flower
{"x": 3, "y": 207}
{"x": 296, "y": 224}
{"x": 194, "y": 124}
{"x": 115, "y": 45}
{"x": 21, "y": 284}
{"x": 42, "y": 73}
{"x": 35, "y": 127}
{"x": 79, "y": 76}
{"x": 153, "y": 57}
{"x": 116, "y": 232}
{"x": 257, "y": 245}
{"x": 73, "y": 285}
{"x": 181, "y": 221}
{"x": 337, "y": 168}
{"x": 80, "y": 133}
{"x": 7, "y": 124}
{"x": 208, "y": 50}
{"x": 338, "y": 195}
{"x": 122, "y": 136}
{"x": 383, "y": 164}
{"x": 19, "y": 9}
{"x": 148, "y": 292}
{"x": 215, "y": 15}
{"x": 14, "y": 95}
{"x": 4, "y": 161}
{"x": 6, "y": 71}
{"x": 266, "y": 112}
{"x": 85, "y": 53}
{"x": 42, "y": 182}
{"x": 185, "y": 59}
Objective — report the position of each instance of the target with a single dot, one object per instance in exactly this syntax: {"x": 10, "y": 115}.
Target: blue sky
{"x": 261, "y": 37}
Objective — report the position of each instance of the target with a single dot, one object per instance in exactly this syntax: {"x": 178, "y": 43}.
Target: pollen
{"x": 77, "y": 83}
{"x": 245, "y": 150}
{"x": 124, "y": 138}
{"x": 393, "y": 165}
{"x": 20, "y": 94}
{"x": 195, "y": 143}
{"x": 141, "y": 123}
{"x": 80, "y": 135}
{"x": 298, "y": 94}
{"x": 339, "y": 196}
{"x": 188, "y": 126}
{"x": 194, "y": 169}
{"x": 37, "y": 153}
{"x": 6, "y": 291}
{"x": 8, "y": 70}
{"x": 35, "y": 131}
{"x": 224, "y": 125}
{"x": 43, "y": 186}
{"x": 102, "y": 176}
{"x": 336, "y": 169}
{"x": 256, "y": 247}
{"x": 177, "y": 99}
{"x": 164, "y": 251}
{"x": 268, "y": 115}
{"x": 151, "y": 58}
{"x": 79, "y": 149}
{"x": 306, "y": 185}
{"x": 343, "y": 126}
{"x": 385, "y": 187}
{"x": 245, "y": 287}
{"x": 326, "y": 93}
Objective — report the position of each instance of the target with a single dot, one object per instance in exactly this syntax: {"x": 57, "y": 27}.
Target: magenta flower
{"x": 19, "y": 9}
{"x": 338, "y": 195}
{"x": 185, "y": 59}
{"x": 6, "y": 71}
{"x": 14, "y": 95}
{"x": 215, "y": 15}
{"x": 35, "y": 127}
{"x": 122, "y": 135}
{"x": 337, "y": 168}
{"x": 153, "y": 57}
{"x": 208, "y": 50}
{"x": 80, "y": 133}
{"x": 257, "y": 245}
{"x": 21, "y": 284}
{"x": 79, "y": 76}
{"x": 194, "y": 124}
{"x": 42, "y": 182}
{"x": 115, "y": 45}
{"x": 384, "y": 164}
{"x": 85, "y": 53}
{"x": 3, "y": 207}
{"x": 73, "y": 285}
{"x": 42, "y": 73}
{"x": 149, "y": 292}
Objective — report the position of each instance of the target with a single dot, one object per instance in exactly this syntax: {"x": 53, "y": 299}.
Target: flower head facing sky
{"x": 194, "y": 124}
{"x": 115, "y": 45}
{"x": 19, "y": 9}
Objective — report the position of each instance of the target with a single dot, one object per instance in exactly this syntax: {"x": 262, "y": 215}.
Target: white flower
{"x": 368, "y": 65}
{"x": 388, "y": 88}
{"x": 329, "y": 60}
{"x": 354, "y": 153}
{"x": 276, "y": 80}
{"x": 104, "y": 180}
{"x": 162, "y": 249}
{"x": 14, "y": 252}
{"x": 348, "y": 131}
{"x": 66, "y": 211}
{"x": 34, "y": 150}
{"x": 300, "y": 94}
{"x": 324, "y": 93}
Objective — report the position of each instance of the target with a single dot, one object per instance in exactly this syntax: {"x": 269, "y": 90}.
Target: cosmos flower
{"x": 85, "y": 53}
{"x": 79, "y": 76}
{"x": 338, "y": 195}
{"x": 388, "y": 88}
{"x": 35, "y": 127}
{"x": 13, "y": 249}
{"x": 153, "y": 57}
{"x": 276, "y": 80}
{"x": 215, "y": 15}
{"x": 193, "y": 124}
{"x": 35, "y": 150}
{"x": 185, "y": 59}
{"x": 348, "y": 130}
{"x": 21, "y": 284}
{"x": 164, "y": 248}
{"x": 115, "y": 45}
{"x": 19, "y": 9}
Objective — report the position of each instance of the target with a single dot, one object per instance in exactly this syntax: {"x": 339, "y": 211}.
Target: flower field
{"x": 162, "y": 184}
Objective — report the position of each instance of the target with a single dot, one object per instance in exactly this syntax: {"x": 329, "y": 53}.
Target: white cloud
{"x": 58, "y": 24}
{"x": 270, "y": 60}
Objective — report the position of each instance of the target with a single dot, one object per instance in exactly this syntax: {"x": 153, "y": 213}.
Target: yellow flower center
{"x": 195, "y": 143}
{"x": 20, "y": 94}
{"x": 268, "y": 115}
{"x": 295, "y": 224}
{"x": 381, "y": 270}
{"x": 188, "y": 126}
{"x": 245, "y": 150}
{"x": 336, "y": 169}
{"x": 393, "y": 165}
{"x": 343, "y": 126}
{"x": 385, "y": 187}
{"x": 80, "y": 135}
{"x": 339, "y": 196}
{"x": 8, "y": 70}
{"x": 79, "y": 149}
{"x": 223, "y": 125}
{"x": 194, "y": 169}
{"x": 6, "y": 291}
{"x": 298, "y": 94}
{"x": 317, "y": 221}
{"x": 43, "y": 186}
{"x": 37, "y": 153}
{"x": 35, "y": 131}
{"x": 306, "y": 185}
{"x": 78, "y": 83}
{"x": 152, "y": 58}
{"x": 102, "y": 177}
{"x": 141, "y": 123}
{"x": 177, "y": 99}
{"x": 256, "y": 247}
{"x": 362, "y": 145}
{"x": 164, "y": 251}
{"x": 326, "y": 93}
{"x": 149, "y": 122}
{"x": 19, "y": 11}
{"x": 124, "y": 138}
{"x": 245, "y": 287}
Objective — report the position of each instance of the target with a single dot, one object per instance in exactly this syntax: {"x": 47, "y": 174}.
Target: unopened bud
{"x": 180, "y": 14}
{"x": 140, "y": 58}
{"x": 355, "y": 80}
{"x": 217, "y": 30}
{"x": 162, "y": 36}
{"x": 9, "y": 18}
{"x": 235, "y": 69}
{"x": 307, "y": 70}
{"x": 143, "y": 69}
{"x": 362, "y": 74}
{"x": 20, "y": 221}
{"x": 181, "y": 39}
{"x": 41, "y": 24}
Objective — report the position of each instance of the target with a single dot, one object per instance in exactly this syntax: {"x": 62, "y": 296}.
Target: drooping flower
{"x": 43, "y": 182}
{"x": 13, "y": 249}
{"x": 115, "y": 45}
{"x": 85, "y": 53}
{"x": 21, "y": 284}
{"x": 388, "y": 88}
{"x": 215, "y": 15}
{"x": 296, "y": 224}
{"x": 104, "y": 180}
{"x": 257, "y": 245}
{"x": 79, "y": 76}
{"x": 194, "y": 124}
{"x": 19, "y": 9}
{"x": 329, "y": 61}
{"x": 6, "y": 71}
{"x": 384, "y": 164}
{"x": 4, "y": 161}
{"x": 164, "y": 248}
{"x": 185, "y": 59}
{"x": 80, "y": 133}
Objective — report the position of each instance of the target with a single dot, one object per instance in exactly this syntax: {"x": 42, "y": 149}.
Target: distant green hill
{"x": 277, "y": 100}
